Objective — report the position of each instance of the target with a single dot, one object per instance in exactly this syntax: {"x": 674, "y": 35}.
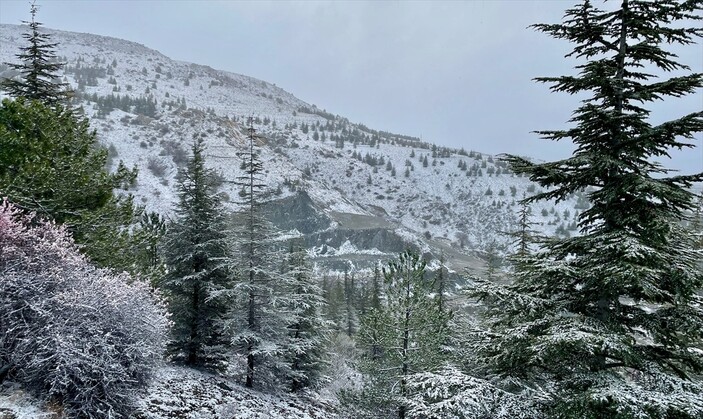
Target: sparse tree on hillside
{"x": 38, "y": 69}
{"x": 199, "y": 279}
{"x": 609, "y": 322}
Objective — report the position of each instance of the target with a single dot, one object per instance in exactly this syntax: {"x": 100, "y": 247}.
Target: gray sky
{"x": 456, "y": 73}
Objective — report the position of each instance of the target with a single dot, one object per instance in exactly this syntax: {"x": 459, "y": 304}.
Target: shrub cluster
{"x": 85, "y": 337}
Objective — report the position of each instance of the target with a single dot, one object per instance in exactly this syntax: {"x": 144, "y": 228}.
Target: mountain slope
{"x": 356, "y": 195}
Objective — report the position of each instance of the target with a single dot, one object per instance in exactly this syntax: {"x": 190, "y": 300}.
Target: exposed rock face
{"x": 297, "y": 212}
{"x": 337, "y": 239}
{"x": 383, "y": 240}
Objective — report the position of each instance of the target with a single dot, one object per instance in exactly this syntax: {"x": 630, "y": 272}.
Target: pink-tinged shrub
{"x": 72, "y": 333}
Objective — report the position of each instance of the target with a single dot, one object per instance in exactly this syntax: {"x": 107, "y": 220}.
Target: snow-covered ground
{"x": 178, "y": 392}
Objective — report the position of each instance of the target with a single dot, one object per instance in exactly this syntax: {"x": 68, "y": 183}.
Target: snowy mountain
{"x": 356, "y": 195}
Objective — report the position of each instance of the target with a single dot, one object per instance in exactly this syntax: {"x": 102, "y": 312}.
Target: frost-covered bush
{"x": 449, "y": 393}
{"x": 85, "y": 337}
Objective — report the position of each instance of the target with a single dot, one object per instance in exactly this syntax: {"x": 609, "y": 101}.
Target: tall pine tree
{"x": 199, "y": 279}
{"x": 260, "y": 324}
{"x": 608, "y": 322}
{"x": 38, "y": 69}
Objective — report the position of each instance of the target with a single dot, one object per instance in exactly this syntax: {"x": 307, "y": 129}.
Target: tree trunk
{"x": 251, "y": 324}
{"x": 193, "y": 344}
{"x": 406, "y": 339}
{"x": 5, "y": 371}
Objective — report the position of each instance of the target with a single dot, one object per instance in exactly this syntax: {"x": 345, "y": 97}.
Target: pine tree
{"x": 52, "y": 163}
{"x": 492, "y": 261}
{"x": 337, "y": 306}
{"x": 199, "y": 279}
{"x": 441, "y": 287}
{"x": 307, "y": 331}
{"x": 260, "y": 323}
{"x": 376, "y": 285}
{"x": 404, "y": 336}
{"x": 350, "y": 300}
{"x": 38, "y": 68}
{"x": 523, "y": 238}
{"x": 608, "y": 323}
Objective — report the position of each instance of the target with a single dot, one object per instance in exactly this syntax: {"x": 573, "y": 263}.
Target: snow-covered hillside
{"x": 147, "y": 109}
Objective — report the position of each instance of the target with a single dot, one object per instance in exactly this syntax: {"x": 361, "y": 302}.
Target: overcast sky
{"x": 454, "y": 73}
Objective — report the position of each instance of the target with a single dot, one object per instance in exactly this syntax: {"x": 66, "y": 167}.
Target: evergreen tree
{"x": 199, "y": 280}
{"x": 376, "y": 285}
{"x": 148, "y": 237}
{"x": 523, "y": 238}
{"x": 337, "y": 306}
{"x": 441, "y": 287}
{"x": 51, "y": 163}
{"x": 609, "y": 323}
{"x": 404, "y": 336}
{"x": 38, "y": 69}
{"x": 350, "y": 300}
{"x": 260, "y": 323}
{"x": 371, "y": 322}
{"x": 492, "y": 261}
{"x": 307, "y": 331}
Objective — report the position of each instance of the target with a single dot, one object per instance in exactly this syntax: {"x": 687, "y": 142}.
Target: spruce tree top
{"x": 633, "y": 199}
{"x": 38, "y": 68}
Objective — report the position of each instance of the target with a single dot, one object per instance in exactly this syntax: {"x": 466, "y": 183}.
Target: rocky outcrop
{"x": 297, "y": 212}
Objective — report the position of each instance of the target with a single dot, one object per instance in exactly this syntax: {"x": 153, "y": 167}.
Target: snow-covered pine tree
{"x": 441, "y": 286}
{"x": 608, "y": 322}
{"x": 335, "y": 303}
{"x": 376, "y": 287}
{"x": 403, "y": 337}
{"x": 493, "y": 261}
{"x": 199, "y": 280}
{"x": 38, "y": 69}
{"x": 308, "y": 332}
{"x": 351, "y": 319}
{"x": 259, "y": 324}
{"x": 524, "y": 239}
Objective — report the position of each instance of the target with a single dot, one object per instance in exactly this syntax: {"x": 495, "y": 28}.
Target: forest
{"x": 97, "y": 294}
